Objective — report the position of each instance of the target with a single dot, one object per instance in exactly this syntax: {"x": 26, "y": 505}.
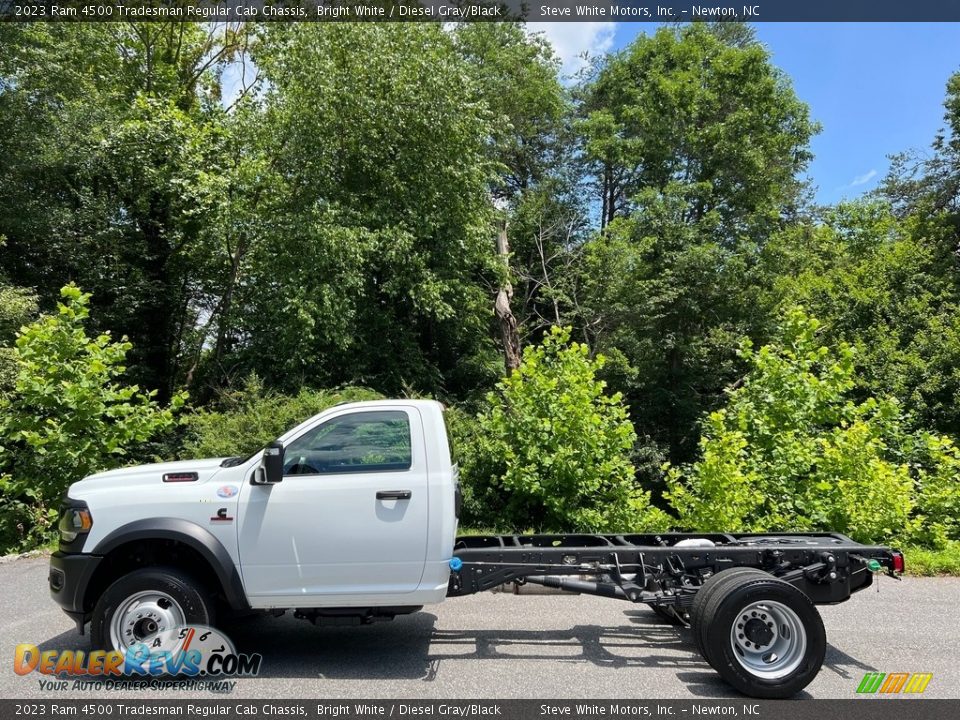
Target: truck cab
{"x": 352, "y": 513}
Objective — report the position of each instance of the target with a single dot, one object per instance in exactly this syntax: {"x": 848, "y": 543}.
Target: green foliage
{"x": 672, "y": 284}
{"x": 926, "y": 562}
{"x": 671, "y": 303}
{"x": 562, "y": 446}
{"x": 517, "y": 78}
{"x": 334, "y": 225}
{"x": 17, "y": 307}
{"x": 531, "y": 146}
{"x": 377, "y": 239}
{"x": 937, "y": 463}
{"x": 247, "y": 419}
{"x": 792, "y": 451}
{"x": 676, "y": 106}
{"x": 888, "y": 287}
{"x": 484, "y": 500}
{"x": 112, "y": 141}
{"x": 67, "y": 416}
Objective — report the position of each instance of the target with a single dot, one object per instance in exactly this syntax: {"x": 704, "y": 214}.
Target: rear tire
{"x": 716, "y": 583}
{"x": 764, "y": 636}
{"x": 145, "y": 602}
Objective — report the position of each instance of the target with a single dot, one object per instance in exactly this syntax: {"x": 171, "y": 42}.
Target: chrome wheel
{"x": 768, "y": 639}
{"x": 142, "y": 616}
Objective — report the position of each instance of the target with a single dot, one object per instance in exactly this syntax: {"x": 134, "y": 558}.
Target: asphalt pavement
{"x": 499, "y": 645}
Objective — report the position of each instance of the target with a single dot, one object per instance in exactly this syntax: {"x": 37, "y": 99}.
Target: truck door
{"x": 350, "y": 516}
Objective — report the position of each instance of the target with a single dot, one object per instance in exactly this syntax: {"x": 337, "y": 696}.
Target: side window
{"x": 375, "y": 441}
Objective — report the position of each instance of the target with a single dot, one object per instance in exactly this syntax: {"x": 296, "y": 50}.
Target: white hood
{"x": 141, "y": 475}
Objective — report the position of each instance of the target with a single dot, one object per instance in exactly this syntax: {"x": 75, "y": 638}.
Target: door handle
{"x": 393, "y": 494}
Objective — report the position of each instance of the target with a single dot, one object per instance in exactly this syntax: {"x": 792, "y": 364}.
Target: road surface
{"x": 497, "y": 645}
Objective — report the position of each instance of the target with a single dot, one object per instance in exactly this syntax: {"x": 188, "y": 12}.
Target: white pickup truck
{"x": 351, "y": 517}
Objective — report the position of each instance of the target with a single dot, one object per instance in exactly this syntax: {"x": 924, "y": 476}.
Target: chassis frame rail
{"x": 654, "y": 569}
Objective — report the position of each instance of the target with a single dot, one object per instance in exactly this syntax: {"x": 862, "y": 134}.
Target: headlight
{"x": 73, "y": 521}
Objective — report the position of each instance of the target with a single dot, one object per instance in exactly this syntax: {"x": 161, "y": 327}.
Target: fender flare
{"x": 191, "y": 535}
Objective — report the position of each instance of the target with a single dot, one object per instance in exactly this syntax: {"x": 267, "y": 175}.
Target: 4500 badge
{"x": 187, "y": 650}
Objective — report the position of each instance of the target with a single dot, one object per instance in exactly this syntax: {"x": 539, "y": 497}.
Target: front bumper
{"x": 70, "y": 574}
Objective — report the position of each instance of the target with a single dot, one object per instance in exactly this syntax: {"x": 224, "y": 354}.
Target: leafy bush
{"x": 937, "y": 460}
{"x": 66, "y": 417}
{"x": 790, "y": 451}
{"x": 551, "y": 450}
{"x": 249, "y": 418}
{"x": 943, "y": 561}
{"x": 482, "y": 505}
{"x": 17, "y": 307}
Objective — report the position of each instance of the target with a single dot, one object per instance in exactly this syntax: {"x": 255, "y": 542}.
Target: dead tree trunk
{"x": 508, "y": 322}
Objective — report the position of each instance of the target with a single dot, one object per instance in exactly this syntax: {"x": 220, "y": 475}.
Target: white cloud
{"x": 571, "y": 40}
{"x": 863, "y": 179}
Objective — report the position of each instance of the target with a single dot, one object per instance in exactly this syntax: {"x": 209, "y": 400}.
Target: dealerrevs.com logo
{"x": 894, "y": 683}
{"x": 188, "y": 652}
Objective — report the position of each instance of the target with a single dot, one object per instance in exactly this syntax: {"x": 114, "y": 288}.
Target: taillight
{"x": 898, "y": 564}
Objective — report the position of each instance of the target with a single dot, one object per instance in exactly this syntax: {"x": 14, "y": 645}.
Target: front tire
{"x": 764, "y": 637}
{"x": 145, "y": 602}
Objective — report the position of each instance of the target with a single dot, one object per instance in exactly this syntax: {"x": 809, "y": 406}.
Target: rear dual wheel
{"x": 762, "y": 635}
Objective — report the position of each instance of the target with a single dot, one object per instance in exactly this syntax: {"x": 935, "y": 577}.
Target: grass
{"x": 471, "y": 532}
{"x": 926, "y": 563}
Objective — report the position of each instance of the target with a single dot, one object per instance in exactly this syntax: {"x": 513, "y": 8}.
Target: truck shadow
{"x": 413, "y": 648}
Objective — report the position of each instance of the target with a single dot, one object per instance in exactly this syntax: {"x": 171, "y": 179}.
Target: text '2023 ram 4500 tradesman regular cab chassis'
{"x": 351, "y": 517}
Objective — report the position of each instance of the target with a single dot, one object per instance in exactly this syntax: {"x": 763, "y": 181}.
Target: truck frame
{"x": 749, "y": 598}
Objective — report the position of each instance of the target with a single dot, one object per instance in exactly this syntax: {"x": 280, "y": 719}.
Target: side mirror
{"x": 271, "y": 467}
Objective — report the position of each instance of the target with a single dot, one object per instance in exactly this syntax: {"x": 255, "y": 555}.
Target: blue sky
{"x": 876, "y": 88}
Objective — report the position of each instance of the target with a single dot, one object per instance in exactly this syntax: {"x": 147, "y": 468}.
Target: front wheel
{"x": 764, "y": 637}
{"x": 142, "y": 604}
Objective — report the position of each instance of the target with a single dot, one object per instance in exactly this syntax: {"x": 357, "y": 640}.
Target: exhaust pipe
{"x": 581, "y": 586}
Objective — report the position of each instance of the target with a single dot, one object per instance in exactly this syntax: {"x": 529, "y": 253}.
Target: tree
{"x": 930, "y": 181}
{"x": 671, "y": 282}
{"x": 553, "y": 447}
{"x": 540, "y": 215}
{"x": 67, "y": 416}
{"x": 243, "y": 420}
{"x": 791, "y": 451}
{"x": 676, "y": 108}
{"x": 366, "y": 258}
{"x": 113, "y": 135}
{"x": 888, "y": 286}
